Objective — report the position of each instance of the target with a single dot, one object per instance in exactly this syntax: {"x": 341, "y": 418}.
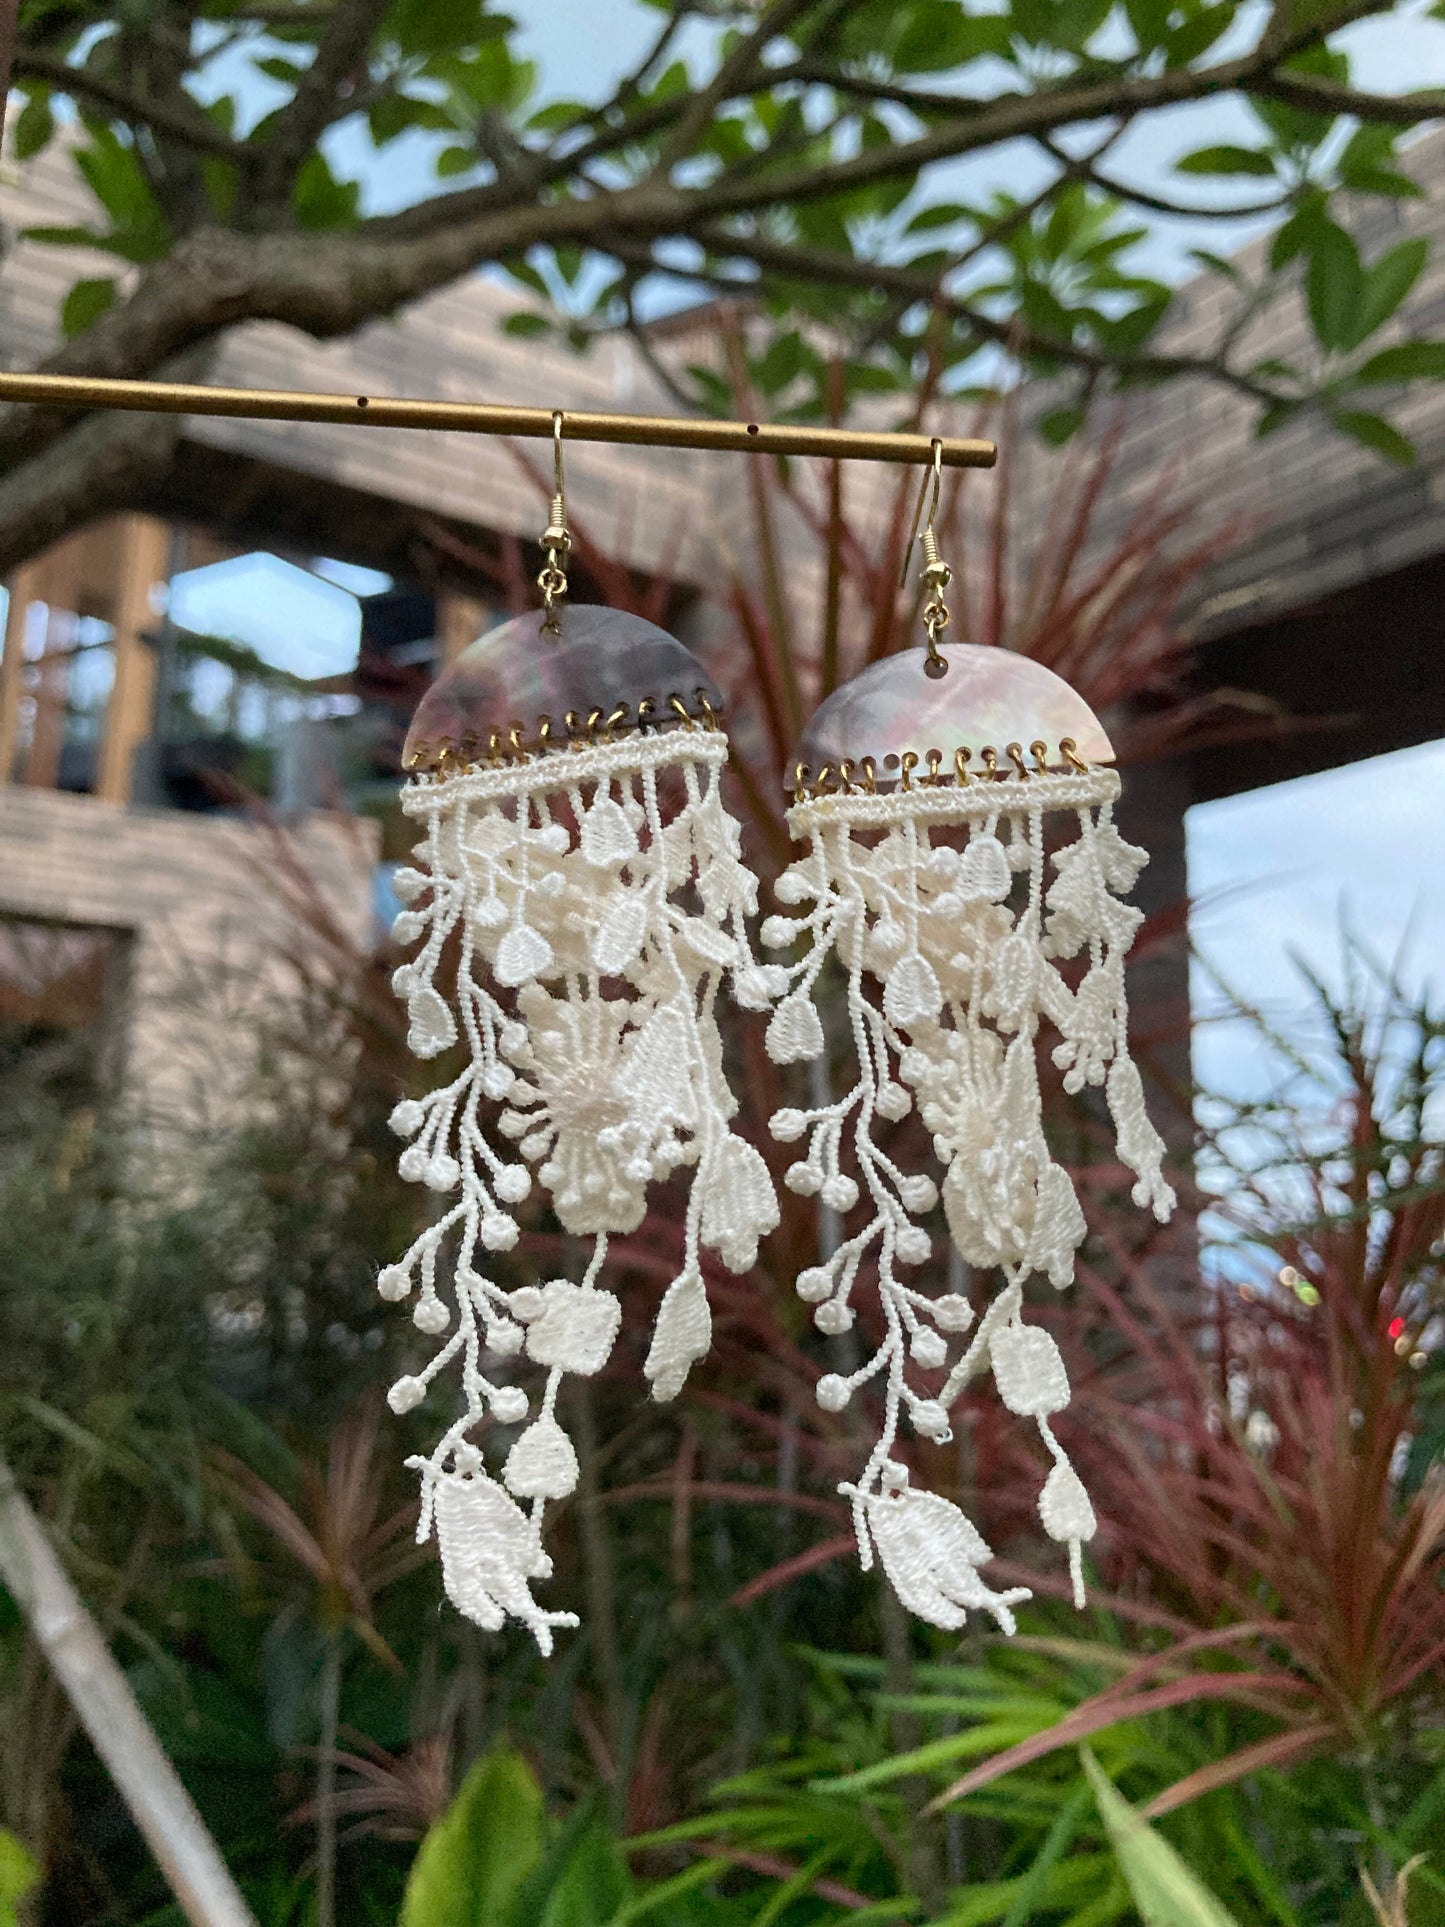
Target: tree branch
{"x": 107, "y": 1707}
{"x": 325, "y": 284}
{"x": 631, "y": 84}
{"x": 329, "y": 283}
{"x": 1084, "y": 170}
{"x": 1316, "y": 95}
{"x": 736, "y": 74}
{"x": 342, "y": 48}
{"x": 1016, "y": 116}
{"x": 196, "y": 129}
{"x": 824, "y": 267}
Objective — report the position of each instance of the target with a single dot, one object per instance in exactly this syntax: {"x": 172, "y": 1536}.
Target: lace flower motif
{"x": 576, "y": 913}
{"x": 950, "y": 971}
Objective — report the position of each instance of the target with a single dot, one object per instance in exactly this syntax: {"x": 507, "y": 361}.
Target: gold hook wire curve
{"x": 556, "y": 539}
{"x": 932, "y": 478}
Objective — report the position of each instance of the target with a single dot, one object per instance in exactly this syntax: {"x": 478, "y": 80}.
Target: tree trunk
{"x": 119, "y": 1731}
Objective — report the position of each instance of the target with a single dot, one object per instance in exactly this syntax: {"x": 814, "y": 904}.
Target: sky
{"x": 1274, "y": 871}
{"x": 1281, "y": 873}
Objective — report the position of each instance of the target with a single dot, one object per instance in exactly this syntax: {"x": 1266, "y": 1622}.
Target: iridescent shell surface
{"x": 989, "y": 698}
{"x": 517, "y": 674}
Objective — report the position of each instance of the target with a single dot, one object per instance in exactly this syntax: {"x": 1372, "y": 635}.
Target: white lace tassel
{"x": 590, "y": 930}
{"x": 946, "y": 986}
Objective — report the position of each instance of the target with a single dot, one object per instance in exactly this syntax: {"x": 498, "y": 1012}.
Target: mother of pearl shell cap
{"x": 988, "y": 698}
{"x": 519, "y": 672}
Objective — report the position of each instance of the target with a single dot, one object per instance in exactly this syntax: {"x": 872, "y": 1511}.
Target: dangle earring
{"x": 578, "y": 896}
{"x": 930, "y": 877}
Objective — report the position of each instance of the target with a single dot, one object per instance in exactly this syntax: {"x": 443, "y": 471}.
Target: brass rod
{"x": 486, "y": 418}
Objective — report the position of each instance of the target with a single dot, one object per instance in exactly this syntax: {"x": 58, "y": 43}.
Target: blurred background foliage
{"x": 882, "y": 183}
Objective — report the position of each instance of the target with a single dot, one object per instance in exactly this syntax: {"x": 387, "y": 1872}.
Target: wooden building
{"x": 1332, "y": 605}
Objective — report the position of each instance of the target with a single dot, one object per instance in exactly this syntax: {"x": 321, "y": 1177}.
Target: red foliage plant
{"x": 1254, "y": 1465}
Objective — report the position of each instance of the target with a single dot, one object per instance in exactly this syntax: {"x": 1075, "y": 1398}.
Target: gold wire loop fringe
{"x": 513, "y": 743}
{"x": 934, "y": 769}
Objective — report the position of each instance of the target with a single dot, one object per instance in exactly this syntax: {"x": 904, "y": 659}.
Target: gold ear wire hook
{"x": 556, "y": 539}
{"x": 936, "y": 573}
{"x": 932, "y": 479}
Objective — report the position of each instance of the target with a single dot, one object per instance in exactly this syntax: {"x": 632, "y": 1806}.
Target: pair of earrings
{"x": 580, "y": 898}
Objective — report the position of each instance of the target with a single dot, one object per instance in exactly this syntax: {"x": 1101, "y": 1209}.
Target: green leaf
{"x": 1197, "y": 34}
{"x": 1066, "y": 217}
{"x": 1165, "y": 1892}
{"x": 1427, "y": 1808}
{"x": 471, "y": 1864}
{"x": 529, "y": 275}
{"x": 1069, "y": 1884}
{"x": 667, "y": 1892}
{"x": 558, "y": 114}
{"x": 1297, "y": 128}
{"x": 397, "y": 114}
{"x": 1334, "y": 286}
{"x": 489, "y": 78}
{"x": 941, "y": 214}
{"x": 1293, "y": 237}
{"x": 1387, "y": 181}
{"x": 940, "y": 34}
{"x": 1059, "y": 1838}
{"x": 527, "y": 325}
{"x": 443, "y": 26}
{"x": 18, "y": 1874}
{"x": 221, "y": 182}
{"x": 1227, "y": 159}
{"x": 320, "y": 200}
{"x": 1406, "y": 361}
{"x": 1149, "y": 20}
{"x": 87, "y": 301}
{"x": 114, "y": 177}
{"x": 1275, "y": 418}
{"x": 1387, "y": 284}
{"x": 200, "y": 1719}
{"x": 592, "y": 1886}
{"x": 1368, "y": 164}
{"x": 64, "y": 237}
{"x": 139, "y": 231}
{"x": 780, "y": 366}
{"x": 456, "y": 160}
{"x": 1217, "y": 264}
{"x": 1060, "y": 425}
{"x": 34, "y": 125}
{"x": 1376, "y": 433}
{"x": 1126, "y": 333}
